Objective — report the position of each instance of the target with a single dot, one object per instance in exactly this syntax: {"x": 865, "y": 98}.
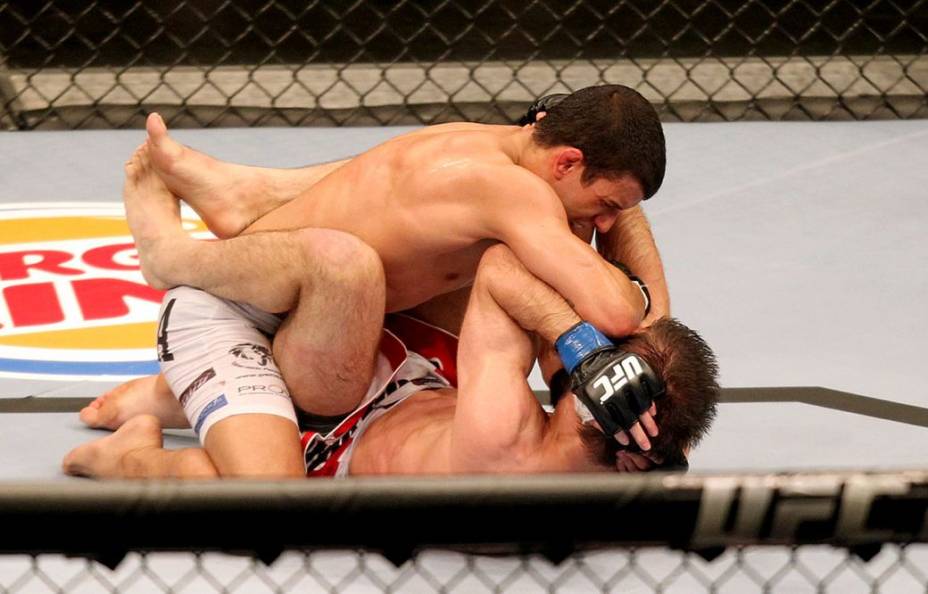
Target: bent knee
{"x": 341, "y": 257}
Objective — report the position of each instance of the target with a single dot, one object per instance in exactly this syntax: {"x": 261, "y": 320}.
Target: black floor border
{"x": 833, "y": 399}
{"x": 816, "y": 396}
{"x": 32, "y": 404}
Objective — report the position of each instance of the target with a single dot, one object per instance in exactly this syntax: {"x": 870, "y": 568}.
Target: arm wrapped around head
{"x": 540, "y": 106}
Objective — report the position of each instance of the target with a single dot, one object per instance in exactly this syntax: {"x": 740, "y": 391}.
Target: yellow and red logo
{"x": 74, "y": 303}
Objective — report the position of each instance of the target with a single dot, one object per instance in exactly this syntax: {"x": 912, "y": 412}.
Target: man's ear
{"x": 568, "y": 160}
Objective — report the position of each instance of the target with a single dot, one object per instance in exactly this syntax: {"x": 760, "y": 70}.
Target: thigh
{"x": 216, "y": 357}
{"x": 328, "y": 344}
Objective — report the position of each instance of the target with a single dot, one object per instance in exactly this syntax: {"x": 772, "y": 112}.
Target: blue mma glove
{"x": 540, "y": 106}
{"x": 612, "y": 387}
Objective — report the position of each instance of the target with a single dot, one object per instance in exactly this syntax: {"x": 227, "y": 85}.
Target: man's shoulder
{"x": 490, "y": 177}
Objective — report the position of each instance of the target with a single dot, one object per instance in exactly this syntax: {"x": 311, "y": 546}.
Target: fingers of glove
{"x": 622, "y": 438}
{"x": 647, "y": 421}
{"x": 639, "y": 436}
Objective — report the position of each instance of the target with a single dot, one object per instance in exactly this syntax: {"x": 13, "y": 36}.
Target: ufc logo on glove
{"x": 622, "y": 373}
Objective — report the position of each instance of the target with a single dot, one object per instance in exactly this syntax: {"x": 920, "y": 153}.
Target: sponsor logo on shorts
{"x": 196, "y": 385}
{"x": 270, "y": 373}
{"x": 263, "y": 389}
{"x": 250, "y": 356}
{"x": 212, "y": 407}
{"x": 73, "y": 303}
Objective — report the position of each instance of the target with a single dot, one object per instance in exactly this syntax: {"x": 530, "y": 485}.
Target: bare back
{"x": 403, "y": 198}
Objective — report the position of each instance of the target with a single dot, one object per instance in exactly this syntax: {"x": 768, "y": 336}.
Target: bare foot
{"x": 153, "y": 214}
{"x": 146, "y": 395}
{"x": 106, "y": 457}
{"x": 222, "y": 193}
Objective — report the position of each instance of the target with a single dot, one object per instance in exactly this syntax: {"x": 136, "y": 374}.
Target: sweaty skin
{"x": 491, "y": 423}
{"x": 406, "y": 202}
{"x": 430, "y": 202}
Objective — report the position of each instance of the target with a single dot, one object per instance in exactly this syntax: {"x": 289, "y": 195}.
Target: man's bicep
{"x": 497, "y": 420}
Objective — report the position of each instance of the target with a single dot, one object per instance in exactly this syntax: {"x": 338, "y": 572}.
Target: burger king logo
{"x": 74, "y": 304}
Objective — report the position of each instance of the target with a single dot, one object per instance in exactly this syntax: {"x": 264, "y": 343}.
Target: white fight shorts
{"x": 216, "y": 356}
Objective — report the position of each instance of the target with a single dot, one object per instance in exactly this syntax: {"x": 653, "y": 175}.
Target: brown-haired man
{"x": 490, "y": 423}
{"x": 419, "y": 210}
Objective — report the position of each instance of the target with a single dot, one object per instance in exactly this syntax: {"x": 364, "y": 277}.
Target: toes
{"x": 93, "y": 415}
{"x": 134, "y": 164}
{"x": 90, "y": 416}
{"x": 71, "y": 464}
{"x": 156, "y": 128}
{"x": 144, "y": 158}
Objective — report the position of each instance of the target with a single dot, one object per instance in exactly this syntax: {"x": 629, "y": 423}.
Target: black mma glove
{"x": 540, "y": 106}
{"x": 612, "y": 387}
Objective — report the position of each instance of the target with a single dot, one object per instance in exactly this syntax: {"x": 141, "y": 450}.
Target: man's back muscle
{"x": 409, "y": 199}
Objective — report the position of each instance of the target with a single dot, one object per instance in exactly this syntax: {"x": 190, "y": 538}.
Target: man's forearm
{"x": 531, "y": 303}
{"x": 630, "y": 242}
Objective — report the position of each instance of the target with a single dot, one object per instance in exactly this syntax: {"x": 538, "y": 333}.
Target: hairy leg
{"x": 135, "y": 451}
{"x": 333, "y": 286}
{"x": 331, "y": 281}
{"x": 228, "y": 197}
{"x": 145, "y": 395}
{"x": 327, "y": 346}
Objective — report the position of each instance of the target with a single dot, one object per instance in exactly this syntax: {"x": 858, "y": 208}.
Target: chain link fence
{"x": 807, "y": 532}
{"x": 896, "y": 570}
{"x": 105, "y": 64}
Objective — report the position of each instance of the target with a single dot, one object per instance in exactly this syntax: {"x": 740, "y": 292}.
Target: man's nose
{"x": 605, "y": 221}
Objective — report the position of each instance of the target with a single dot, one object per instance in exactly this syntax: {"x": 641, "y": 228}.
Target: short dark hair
{"x": 617, "y": 130}
{"x": 686, "y": 364}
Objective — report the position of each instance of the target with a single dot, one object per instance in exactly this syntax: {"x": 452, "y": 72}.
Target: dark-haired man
{"x": 491, "y": 422}
{"x": 419, "y": 210}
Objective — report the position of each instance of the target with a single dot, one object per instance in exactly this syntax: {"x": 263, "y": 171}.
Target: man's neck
{"x": 527, "y": 153}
